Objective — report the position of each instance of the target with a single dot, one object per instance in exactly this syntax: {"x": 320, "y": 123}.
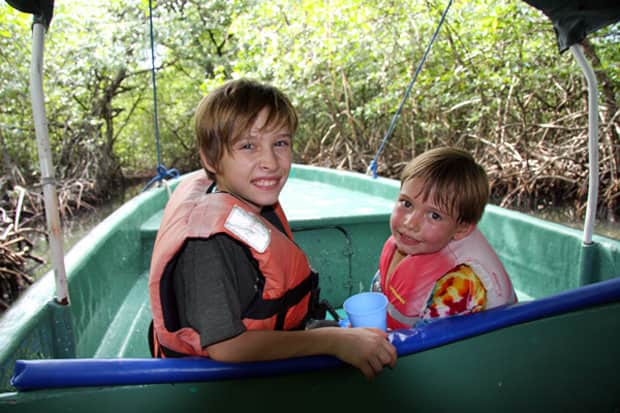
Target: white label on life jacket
{"x": 249, "y": 228}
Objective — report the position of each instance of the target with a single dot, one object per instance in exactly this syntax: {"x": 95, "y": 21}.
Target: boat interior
{"x": 340, "y": 219}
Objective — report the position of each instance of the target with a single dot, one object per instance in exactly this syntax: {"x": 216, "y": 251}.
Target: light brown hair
{"x": 229, "y": 111}
{"x": 453, "y": 179}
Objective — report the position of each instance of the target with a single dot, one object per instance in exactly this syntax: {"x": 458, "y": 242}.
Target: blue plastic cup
{"x": 367, "y": 310}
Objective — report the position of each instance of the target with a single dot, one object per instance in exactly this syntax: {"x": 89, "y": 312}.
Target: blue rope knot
{"x": 162, "y": 174}
{"x": 373, "y": 167}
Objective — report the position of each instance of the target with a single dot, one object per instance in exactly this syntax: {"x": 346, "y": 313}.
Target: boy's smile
{"x": 258, "y": 164}
{"x": 421, "y": 227}
{"x": 408, "y": 241}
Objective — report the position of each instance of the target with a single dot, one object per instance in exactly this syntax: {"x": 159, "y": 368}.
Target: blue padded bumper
{"x": 40, "y": 374}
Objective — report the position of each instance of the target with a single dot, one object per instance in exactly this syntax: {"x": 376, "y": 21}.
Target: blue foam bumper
{"x": 40, "y": 374}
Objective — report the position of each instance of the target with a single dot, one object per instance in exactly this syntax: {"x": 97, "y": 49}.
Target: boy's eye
{"x": 246, "y": 145}
{"x": 405, "y": 203}
{"x": 282, "y": 143}
{"x": 435, "y": 216}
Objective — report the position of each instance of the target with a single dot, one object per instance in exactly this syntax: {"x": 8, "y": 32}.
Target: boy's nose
{"x": 412, "y": 220}
{"x": 268, "y": 159}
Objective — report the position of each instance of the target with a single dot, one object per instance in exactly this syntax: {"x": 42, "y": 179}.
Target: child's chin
{"x": 265, "y": 201}
{"x": 412, "y": 250}
{"x": 404, "y": 250}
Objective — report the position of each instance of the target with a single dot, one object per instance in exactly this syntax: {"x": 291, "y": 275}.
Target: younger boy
{"x": 226, "y": 280}
{"x": 437, "y": 263}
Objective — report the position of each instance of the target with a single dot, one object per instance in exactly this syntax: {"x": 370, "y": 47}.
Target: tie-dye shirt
{"x": 458, "y": 292}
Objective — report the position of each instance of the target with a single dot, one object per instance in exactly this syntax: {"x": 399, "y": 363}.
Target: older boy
{"x": 226, "y": 279}
{"x": 437, "y": 263}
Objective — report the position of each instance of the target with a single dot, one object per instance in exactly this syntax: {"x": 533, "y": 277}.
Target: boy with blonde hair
{"x": 226, "y": 280}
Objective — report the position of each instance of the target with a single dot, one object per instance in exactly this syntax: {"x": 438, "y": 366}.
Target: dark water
{"x": 77, "y": 226}
{"x": 565, "y": 216}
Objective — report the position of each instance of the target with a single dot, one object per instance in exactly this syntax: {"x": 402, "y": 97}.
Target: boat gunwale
{"x": 68, "y": 373}
{"x": 31, "y": 306}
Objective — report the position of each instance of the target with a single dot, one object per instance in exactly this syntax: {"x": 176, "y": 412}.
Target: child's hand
{"x": 367, "y": 349}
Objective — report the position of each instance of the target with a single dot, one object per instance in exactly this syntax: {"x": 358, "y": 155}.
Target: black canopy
{"x": 573, "y": 20}
{"x": 43, "y": 10}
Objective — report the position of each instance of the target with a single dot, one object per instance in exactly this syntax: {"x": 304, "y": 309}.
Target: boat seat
{"x": 126, "y": 335}
{"x": 149, "y": 228}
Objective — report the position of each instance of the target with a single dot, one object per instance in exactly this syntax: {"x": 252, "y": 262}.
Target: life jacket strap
{"x": 157, "y": 349}
{"x": 262, "y": 309}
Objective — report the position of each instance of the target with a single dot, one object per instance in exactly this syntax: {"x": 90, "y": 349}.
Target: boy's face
{"x": 258, "y": 164}
{"x": 421, "y": 227}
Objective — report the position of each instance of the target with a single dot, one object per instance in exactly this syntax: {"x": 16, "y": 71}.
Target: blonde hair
{"x": 229, "y": 111}
{"x": 453, "y": 179}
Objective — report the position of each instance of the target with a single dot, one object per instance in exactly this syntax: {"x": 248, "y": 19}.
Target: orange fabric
{"x": 191, "y": 213}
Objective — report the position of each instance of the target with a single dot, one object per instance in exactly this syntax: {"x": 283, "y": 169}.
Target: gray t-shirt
{"x": 214, "y": 281}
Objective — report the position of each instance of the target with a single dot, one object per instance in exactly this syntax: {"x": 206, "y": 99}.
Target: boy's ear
{"x": 208, "y": 166}
{"x": 463, "y": 229}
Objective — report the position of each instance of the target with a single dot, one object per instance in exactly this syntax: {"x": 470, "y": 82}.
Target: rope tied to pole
{"x": 373, "y": 164}
{"x": 162, "y": 172}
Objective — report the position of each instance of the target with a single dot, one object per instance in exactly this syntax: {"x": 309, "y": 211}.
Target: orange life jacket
{"x": 289, "y": 281}
{"x": 411, "y": 284}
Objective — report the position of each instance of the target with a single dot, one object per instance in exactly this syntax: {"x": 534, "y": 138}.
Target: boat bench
{"x": 148, "y": 229}
{"x": 127, "y": 334}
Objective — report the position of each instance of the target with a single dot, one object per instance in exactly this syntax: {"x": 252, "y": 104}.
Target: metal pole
{"x": 154, "y": 81}
{"x": 592, "y": 142}
{"x": 45, "y": 162}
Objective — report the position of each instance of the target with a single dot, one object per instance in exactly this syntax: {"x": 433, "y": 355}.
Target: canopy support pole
{"x": 588, "y": 72}
{"x": 45, "y": 161}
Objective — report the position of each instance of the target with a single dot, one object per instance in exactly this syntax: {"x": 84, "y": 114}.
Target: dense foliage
{"x": 494, "y": 83}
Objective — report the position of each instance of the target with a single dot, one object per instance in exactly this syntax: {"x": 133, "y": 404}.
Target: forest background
{"x": 494, "y": 83}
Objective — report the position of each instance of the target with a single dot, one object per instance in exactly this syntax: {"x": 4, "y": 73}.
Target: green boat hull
{"x": 567, "y": 361}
